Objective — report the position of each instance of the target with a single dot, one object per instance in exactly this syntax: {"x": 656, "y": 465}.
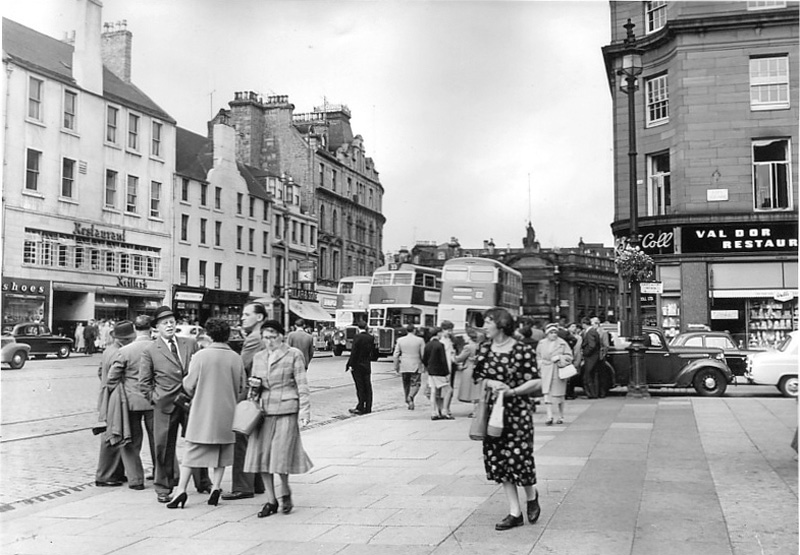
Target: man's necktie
{"x": 174, "y": 348}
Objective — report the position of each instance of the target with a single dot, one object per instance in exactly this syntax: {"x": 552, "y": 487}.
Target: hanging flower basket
{"x": 633, "y": 264}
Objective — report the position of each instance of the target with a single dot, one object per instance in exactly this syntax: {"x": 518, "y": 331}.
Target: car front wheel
{"x": 18, "y": 360}
{"x": 63, "y": 351}
{"x": 788, "y": 386}
{"x": 709, "y": 382}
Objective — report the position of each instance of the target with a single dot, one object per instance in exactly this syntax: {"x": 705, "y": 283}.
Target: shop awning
{"x": 308, "y": 310}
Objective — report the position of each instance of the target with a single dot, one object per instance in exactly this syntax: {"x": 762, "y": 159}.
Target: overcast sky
{"x": 460, "y": 104}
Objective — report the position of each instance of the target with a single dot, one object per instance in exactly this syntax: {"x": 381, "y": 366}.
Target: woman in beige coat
{"x": 553, "y": 353}
{"x": 216, "y": 382}
{"x": 279, "y": 374}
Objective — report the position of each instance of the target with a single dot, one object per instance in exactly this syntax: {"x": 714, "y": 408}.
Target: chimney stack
{"x": 117, "y": 42}
{"x": 87, "y": 62}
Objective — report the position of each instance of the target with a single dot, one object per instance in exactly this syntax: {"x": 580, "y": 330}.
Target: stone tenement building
{"x": 87, "y": 184}
{"x": 561, "y": 282}
{"x": 339, "y": 184}
{"x": 716, "y": 134}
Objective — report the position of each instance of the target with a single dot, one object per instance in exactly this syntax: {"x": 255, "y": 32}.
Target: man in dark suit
{"x": 434, "y": 357}
{"x": 591, "y": 347}
{"x": 245, "y": 484}
{"x": 163, "y": 365}
{"x": 360, "y": 363}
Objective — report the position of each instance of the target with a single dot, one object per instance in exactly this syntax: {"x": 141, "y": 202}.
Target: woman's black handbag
{"x": 480, "y": 422}
{"x": 183, "y": 401}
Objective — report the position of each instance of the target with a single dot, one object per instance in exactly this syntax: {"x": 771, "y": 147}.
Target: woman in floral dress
{"x": 508, "y": 368}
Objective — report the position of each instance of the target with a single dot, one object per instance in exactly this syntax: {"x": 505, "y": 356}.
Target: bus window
{"x": 482, "y": 275}
{"x": 474, "y": 318}
{"x": 345, "y": 287}
{"x": 418, "y": 280}
{"x": 430, "y": 320}
{"x": 402, "y": 278}
{"x": 430, "y": 281}
{"x": 456, "y": 273}
{"x": 384, "y": 278}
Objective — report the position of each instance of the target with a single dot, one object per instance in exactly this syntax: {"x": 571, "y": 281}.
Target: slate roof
{"x": 52, "y": 58}
{"x": 194, "y": 158}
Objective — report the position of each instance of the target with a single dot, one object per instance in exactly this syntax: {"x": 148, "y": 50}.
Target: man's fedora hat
{"x": 162, "y": 312}
{"x": 124, "y": 330}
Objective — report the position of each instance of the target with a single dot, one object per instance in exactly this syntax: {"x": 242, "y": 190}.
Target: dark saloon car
{"x": 666, "y": 366}
{"x": 41, "y": 340}
{"x": 735, "y": 356}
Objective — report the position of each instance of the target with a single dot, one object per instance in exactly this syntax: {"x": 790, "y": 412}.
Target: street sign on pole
{"x": 652, "y": 287}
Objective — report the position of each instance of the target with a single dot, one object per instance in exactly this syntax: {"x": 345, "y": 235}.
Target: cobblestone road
{"x": 48, "y": 408}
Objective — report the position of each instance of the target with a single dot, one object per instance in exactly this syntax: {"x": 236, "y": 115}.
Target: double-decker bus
{"x": 473, "y": 285}
{"x": 402, "y": 294}
{"x": 352, "y": 304}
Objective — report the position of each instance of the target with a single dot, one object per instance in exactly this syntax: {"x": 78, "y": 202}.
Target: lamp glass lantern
{"x": 630, "y": 67}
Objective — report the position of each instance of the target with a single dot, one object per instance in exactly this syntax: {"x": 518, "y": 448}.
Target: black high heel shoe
{"x": 268, "y": 509}
{"x": 287, "y": 503}
{"x": 180, "y": 500}
{"x": 534, "y": 510}
{"x": 214, "y": 499}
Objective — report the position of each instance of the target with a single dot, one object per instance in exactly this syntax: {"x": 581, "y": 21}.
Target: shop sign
{"x": 327, "y": 302}
{"x": 657, "y": 241}
{"x": 97, "y": 233}
{"x": 783, "y": 296}
{"x": 724, "y": 314}
{"x": 28, "y": 286}
{"x": 189, "y": 296}
{"x": 742, "y": 238}
{"x": 651, "y": 287}
{"x": 132, "y": 283}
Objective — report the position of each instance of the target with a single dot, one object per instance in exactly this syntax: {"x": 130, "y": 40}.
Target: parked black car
{"x": 703, "y": 368}
{"x": 41, "y": 340}
{"x": 735, "y": 356}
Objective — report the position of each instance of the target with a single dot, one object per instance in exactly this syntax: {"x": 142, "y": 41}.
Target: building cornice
{"x": 620, "y": 227}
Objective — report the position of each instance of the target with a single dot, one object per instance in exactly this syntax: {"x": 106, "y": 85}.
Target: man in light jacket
{"x": 300, "y": 339}
{"x": 408, "y": 363}
{"x": 110, "y": 470}
{"x": 125, "y": 372}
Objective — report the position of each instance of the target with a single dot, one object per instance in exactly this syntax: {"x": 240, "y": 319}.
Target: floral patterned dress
{"x": 509, "y": 458}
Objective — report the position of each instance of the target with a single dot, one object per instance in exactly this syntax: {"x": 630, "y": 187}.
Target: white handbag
{"x": 566, "y": 372}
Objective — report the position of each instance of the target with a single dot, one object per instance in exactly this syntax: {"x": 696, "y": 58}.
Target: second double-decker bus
{"x": 352, "y": 304}
{"x": 402, "y": 294}
{"x": 473, "y": 285}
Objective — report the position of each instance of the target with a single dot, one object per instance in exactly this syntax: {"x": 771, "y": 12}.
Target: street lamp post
{"x": 630, "y": 69}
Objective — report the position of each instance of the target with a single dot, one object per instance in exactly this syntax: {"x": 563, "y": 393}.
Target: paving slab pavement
{"x": 641, "y": 477}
